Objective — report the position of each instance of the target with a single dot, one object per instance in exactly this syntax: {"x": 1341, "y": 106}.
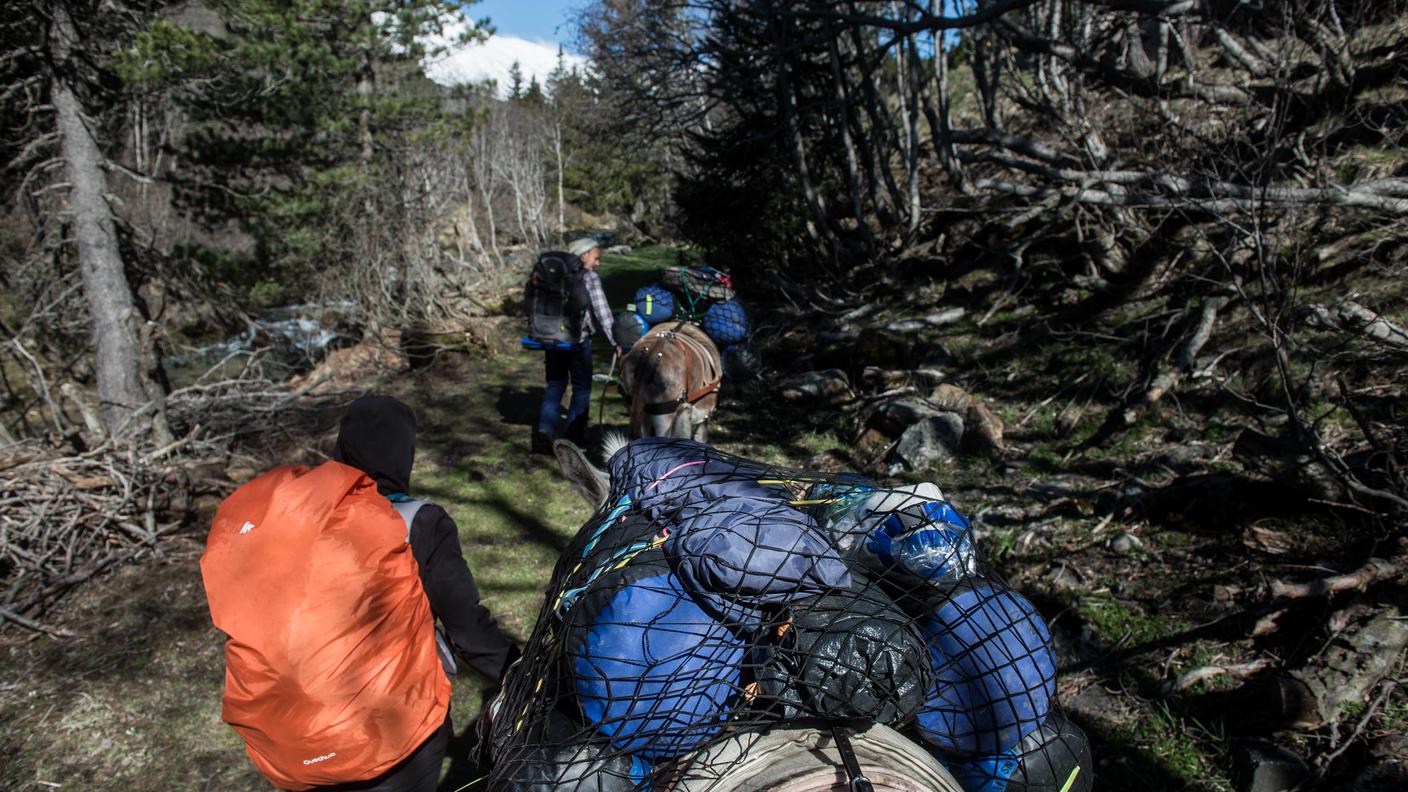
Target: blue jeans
{"x": 562, "y": 365}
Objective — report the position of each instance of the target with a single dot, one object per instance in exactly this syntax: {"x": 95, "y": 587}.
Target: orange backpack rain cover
{"x": 331, "y": 673}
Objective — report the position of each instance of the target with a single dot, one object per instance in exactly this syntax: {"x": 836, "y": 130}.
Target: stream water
{"x": 295, "y": 338}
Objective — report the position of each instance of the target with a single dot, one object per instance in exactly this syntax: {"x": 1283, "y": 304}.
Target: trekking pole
{"x": 610, "y": 375}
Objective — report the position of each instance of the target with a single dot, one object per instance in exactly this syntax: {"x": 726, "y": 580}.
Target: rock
{"x": 1182, "y": 458}
{"x": 939, "y": 319}
{"x": 985, "y": 429}
{"x": 1383, "y": 775}
{"x": 1267, "y": 540}
{"x": 619, "y": 250}
{"x": 879, "y": 379}
{"x": 1065, "y": 578}
{"x": 741, "y": 364}
{"x": 1095, "y": 703}
{"x": 1058, "y": 487}
{"x": 929, "y": 441}
{"x": 1125, "y": 544}
{"x": 1000, "y": 514}
{"x": 1263, "y": 767}
{"x": 831, "y": 386}
{"x": 895, "y": 416}
{"x": 1390, "y": 746}
{"x": 1387, "y": 770}
{"x": 240, "y": 473}
{"x": 870, "y": 443}
{"x": 1227, "y": 595}
{"x": 351, "y": 367}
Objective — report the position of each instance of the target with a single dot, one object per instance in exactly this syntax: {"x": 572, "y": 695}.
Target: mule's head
{"x": 669, "y": 363}
{"x": 692, "y": 420}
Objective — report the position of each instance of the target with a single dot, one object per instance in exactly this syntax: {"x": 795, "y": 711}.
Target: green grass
{"x": 1125, "y": 623}
{"x": 1181, "y": 744}
{"x": 622, "y": 274}
{"x": 817, "y": 442}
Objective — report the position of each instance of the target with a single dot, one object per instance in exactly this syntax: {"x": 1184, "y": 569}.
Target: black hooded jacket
{"x": 378, "y": 437}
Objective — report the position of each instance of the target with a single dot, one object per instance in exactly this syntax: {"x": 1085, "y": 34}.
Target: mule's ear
{"x": 592, "y": 482}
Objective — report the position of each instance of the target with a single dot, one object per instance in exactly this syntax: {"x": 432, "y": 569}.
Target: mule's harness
{"x": 693, "y": 349}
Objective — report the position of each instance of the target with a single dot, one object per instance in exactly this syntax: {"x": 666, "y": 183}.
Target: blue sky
{"x": 535, "y": 20}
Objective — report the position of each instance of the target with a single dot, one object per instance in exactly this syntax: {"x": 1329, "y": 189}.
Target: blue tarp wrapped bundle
{"x": 655, "y": 304}
{"x": 727, "y": 323}
{"x": 713, "y": 593}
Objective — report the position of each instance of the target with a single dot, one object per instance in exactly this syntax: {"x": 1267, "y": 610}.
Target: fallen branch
{"x": 31, "y": 624}
{"x": 1375, "y": 570}
{"x": 1352, "y": 317}
{"x": 1237, "y": 671}
{"x": 1213, "y": 198}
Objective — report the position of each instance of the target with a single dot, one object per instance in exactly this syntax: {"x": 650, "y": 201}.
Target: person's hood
{"x": 378, "y": 437}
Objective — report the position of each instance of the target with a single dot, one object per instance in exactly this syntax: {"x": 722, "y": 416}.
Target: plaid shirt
{"x": 601, "y": 309}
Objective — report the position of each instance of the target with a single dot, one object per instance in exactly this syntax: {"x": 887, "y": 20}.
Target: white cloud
{"x": 492, "y": 58}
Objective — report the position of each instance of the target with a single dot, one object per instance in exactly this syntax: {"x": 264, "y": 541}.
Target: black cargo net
{"x": 719, "y": 619}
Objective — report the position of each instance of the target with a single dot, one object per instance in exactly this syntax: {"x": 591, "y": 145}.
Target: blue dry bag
{"x": 655, "y": 304}
{"x": 995, "y": 674}
{"x": 727, "y": 323}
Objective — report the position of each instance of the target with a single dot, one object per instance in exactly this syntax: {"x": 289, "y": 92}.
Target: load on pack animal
{"x": 724, "y": 624}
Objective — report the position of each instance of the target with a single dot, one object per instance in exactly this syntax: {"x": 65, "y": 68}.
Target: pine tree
{"x": 300, "y": 111}
{"x": 515, "y": 81}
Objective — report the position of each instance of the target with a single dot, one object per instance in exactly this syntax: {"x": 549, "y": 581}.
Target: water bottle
{"x": 930, "y": 541}
{"x": 857, "y": 510}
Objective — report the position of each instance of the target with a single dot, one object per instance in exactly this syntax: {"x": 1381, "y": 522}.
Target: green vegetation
{"x": 1181, "y": 744}
{"x": 1126, "y": 624}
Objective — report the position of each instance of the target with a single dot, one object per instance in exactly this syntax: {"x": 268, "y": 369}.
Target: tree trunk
{"x": 852, "y": 167}
{"x": 561, "y": 216}
{"x": 123, "y": 390}
{"x": 939, "y": 129}
{"x": 909, "y": 110}
{"x": 365, "y": 88}
{"x": 881, "y": 125}
{"x": 816, "y": 225}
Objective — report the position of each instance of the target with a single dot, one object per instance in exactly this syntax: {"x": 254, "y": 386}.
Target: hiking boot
{"x": 542, "y": 443}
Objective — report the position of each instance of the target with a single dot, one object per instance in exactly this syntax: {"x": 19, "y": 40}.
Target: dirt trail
{"x": 133, "y": 701}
